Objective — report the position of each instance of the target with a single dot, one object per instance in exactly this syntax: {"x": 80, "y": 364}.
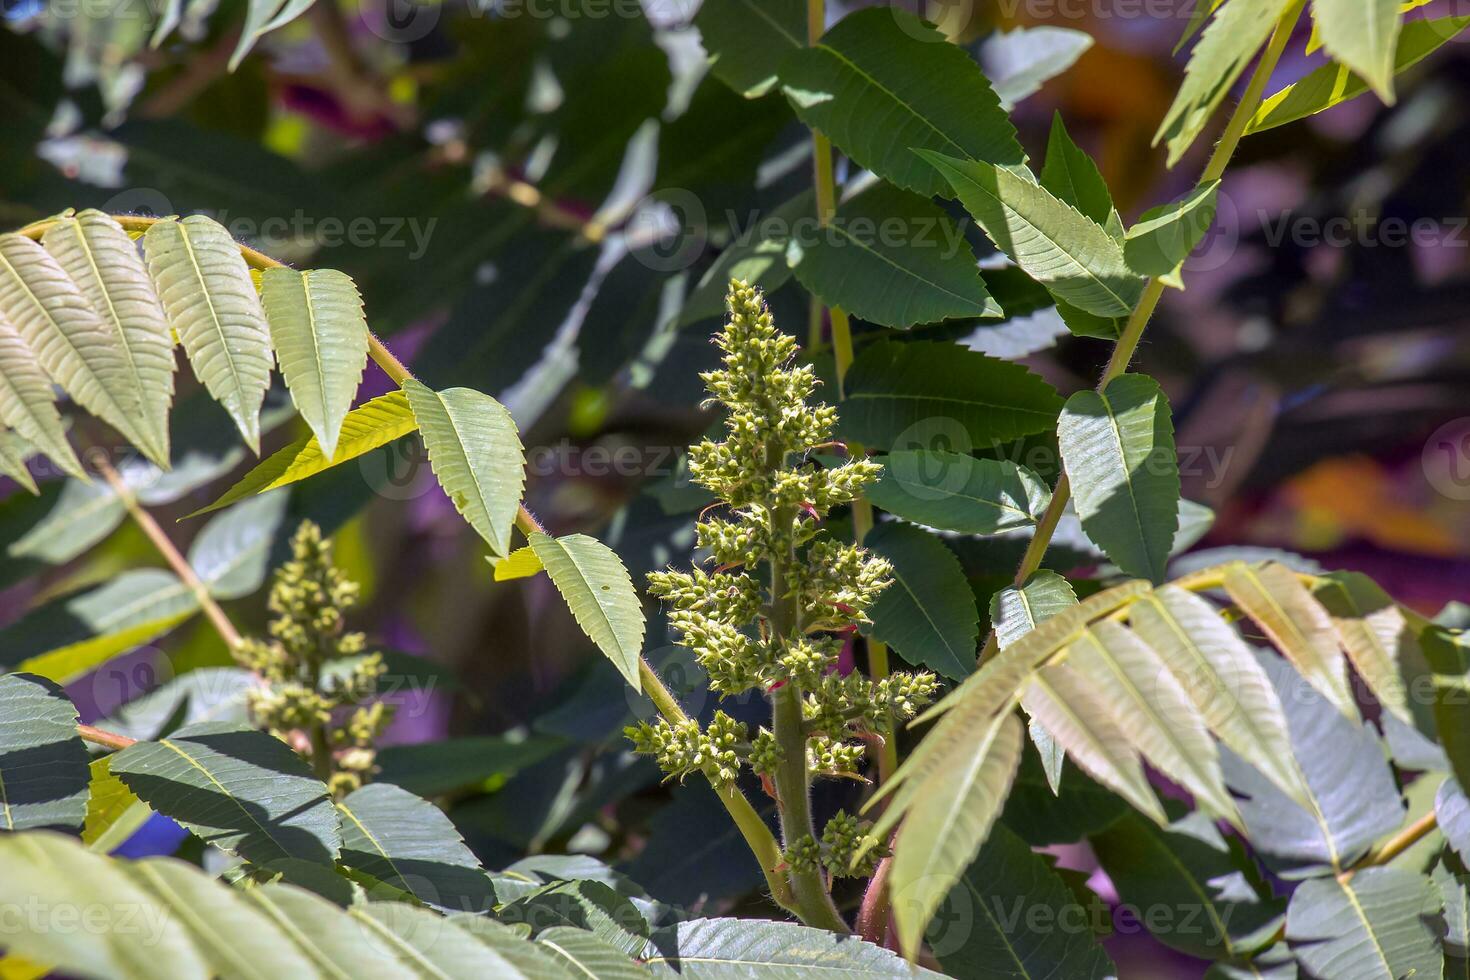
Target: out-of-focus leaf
{"x": 758, "y": 948}
{"x": 43, "y": 763}
{"x": 206, "y": 694}
{"x": 83, "y": 515}
{"x": 1362, "y": 35}
{"x": 928, "y": 614}
{"x": 748, "y": 39}
{"x": 434, "y": 768}
{"x": 757, "y": 256}
{"x": 884, "y": 63}
{"x": 1376, "y": 924}
{"x": 1019, "y": 61}
{"x": 232, "y": 553}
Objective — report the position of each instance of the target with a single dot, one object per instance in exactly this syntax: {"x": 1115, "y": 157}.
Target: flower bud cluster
{"x": 784, "y": 595}
{"x": 315, "y": 673}
{"x": 842, "y": 840}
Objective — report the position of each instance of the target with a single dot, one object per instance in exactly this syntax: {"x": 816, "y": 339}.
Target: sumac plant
{"x": 1265, "y": 758}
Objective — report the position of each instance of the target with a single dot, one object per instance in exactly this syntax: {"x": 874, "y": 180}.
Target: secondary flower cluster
{"x": 315, "y": 672}
{"x": 783, "y": 595}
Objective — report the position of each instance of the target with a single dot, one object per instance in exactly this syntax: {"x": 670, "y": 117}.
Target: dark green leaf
{"x": 43, "y": 764}
{"x": 1375, "y": 926}
{"x": 957, "y": 492}
{"x": 1164, "y": 236}
{"x": 589, "y": 905}
{"x": 1071, "y": 175}
{"x": 748, "y": 40}
{"x": 710, "y": 949}
{"x": 928, "y": 614}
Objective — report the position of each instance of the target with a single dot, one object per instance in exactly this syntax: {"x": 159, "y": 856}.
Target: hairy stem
{"x": 171, "y": 554}
{"x": 106, "y": 739}
{"x": 1132, "y": 332}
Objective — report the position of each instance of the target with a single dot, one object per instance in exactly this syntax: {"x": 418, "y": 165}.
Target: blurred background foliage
{"x": 529, "y": 196}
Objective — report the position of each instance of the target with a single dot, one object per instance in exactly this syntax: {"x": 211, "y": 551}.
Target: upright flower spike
{"x": 303, "y": 701}
{"x": 774, "y": 616}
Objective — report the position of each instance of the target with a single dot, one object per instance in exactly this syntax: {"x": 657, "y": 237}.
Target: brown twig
{"x": 106, "y": 739}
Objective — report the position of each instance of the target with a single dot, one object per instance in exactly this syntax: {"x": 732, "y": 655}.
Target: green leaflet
{"x": 476, "y": 454}
{"x": 1362, "y": 35}
{"x": 1375, "y": 635}
{"x": 957, "y": 492}
{"x": 591, "y": 905}
{"x": 231, "y": 554}
{"x": 581, "y": 954}
{"x": 1378, "y": 925}
{"x": 716, "y": 948}
{"x": 103, "y": 261}
{"x": 1057, "y": 245}
{"x": 1014, "y": 613}
{"x": 1164, "y": 236}
{"x": 369, "y": 426}
{"x": 893, "y": 258}
{"x": 1071, "y": 175}
{"x": 928, "y": 614}
{"x": 884, "y": 63}
{"x": 1448, "y": 654}
{"x": 240, "y": 789}
{"x": 1333, "y": 84}
{"x": 405, "y": 841}
{"x": 14, "y": 451}
{"x": 906, "y": 395}
{"x": 84, "y": 513}
{"x": 211, "y": 303}
{"x": 321, "y": 339}
{"x": 113, "y": 812}
{"x": 758, "y": 257}
{"x": 43, "y": 763}
{"x": 427, "y": 944}
{"x": 599, "y": 592}
{"x": 1118, "y": 448}
{"x": 748, "y": 39}
{"x": 70, "y": 340}
{"x": 27, "y": 403}
{"x": 325, "y": 934}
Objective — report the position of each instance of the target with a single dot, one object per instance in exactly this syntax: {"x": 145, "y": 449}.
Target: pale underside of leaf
{"x": 599, "y": 592}
{"x": 1362, "y": 34}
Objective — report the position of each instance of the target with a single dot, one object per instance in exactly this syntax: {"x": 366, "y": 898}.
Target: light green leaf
{"x": 28, "y": 403}
{"x": 211, "y": 303}
{"x": 1073, "y": 177}
{"x": 71, "y": 341}
{"x": 326, "y": 935}
{"x": 1118, "y": 448}
{"x": 591, "y": 905}
{"x": 757, "y": 257}
{"x": 1223, "y": 679}
{"x": 521, "y": 563}
{"x": 103, "y": 261}
{"x": 43, "y": 763}
{"x": 430, "y": 945}
{"x": 1363, "y": 35}
{"x": 369, "y": 426}
{"x": 1448, "y": 654}
{"x": 84, "y": 514}
{"x": 582, "y": 954}
{"x": 1057, "y": 245}
{"x": 1150, "y": 705}
{"x": 947, "y": 821}
{"x": 321, "y": 339}
{"x": 113, "y": 812}
{"x": 1020, "y": 60}
{"x": 599, "y": 592}
{"x": 1016, "y": 612}
{"x": 240, "y": 789}
{"x": 748, "y": 39}
{"x": 884, "y": 63}
{"x": 928, "y": 614}
{"x": 1164, "y": 236}
{"x": 726, "y": 949}
{"x": 129, "y": 932}
{"x": 1012, "y": 916}
{"x": 1331, "y": 85}
{"x": 14, "y": 451}
{"x": 1374, "y": 632}
{"x": 476, "y": 454}
{"x": 532, "y": 961}
{"x": 407, "y": 842}
{"x": 1228, "y": 44}
{"x": 1297, "y": 624}
{"x": 957, "y": 492}
{"x": 906, "y": 395}
{"x": 234, "y": 937}
{"x": 1378, "y": 925}
{"x": 893, "y": 258}
{"x": 231, "y": 555}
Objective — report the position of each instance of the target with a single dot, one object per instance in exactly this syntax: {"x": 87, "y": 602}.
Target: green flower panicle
{"x": 784, "y": 594}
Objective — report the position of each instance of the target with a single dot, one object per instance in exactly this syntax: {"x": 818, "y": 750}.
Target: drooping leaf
{"x": 407, "y": 842}
{"x": 14, "y": 451}
{"x": 928, "y": 614}
{"x": 1363, "y": 35}
{"x": 211, "y": 303}
{"x": 1014, "y": 612}
{"x": 599, "y": 592}
{"x": 84, "y": 513}
{"x": 902, "y": 396}
{"x": 113, "y": 812}
{"x": 582, "y": 954}
{"x": 1071, "y": 175}
{"x": 231, "y": 555}
{"x": 1228, "y": 44}
{"x": 1223, "y": 679}
{"x": 1118, "y": 448}
{"x": 476, "y": 454}
{"x": 429, "y": 945}
{"x": 1375, "y": 926}
{"x": 1354, "y": 799}
{"x": 1012, "y": 916}
{"x": 204, "y": 694}
{"x": 1448, "y": 654}
{"x": 1297, "y": 624}
{"x": 43, "y": 763}
{"x": 884, "y": 63}
{"x": 101, "y": 258}
{"x": 321, "y": 339}
{"x": 891, "y": 257}
{"x": 1058, "y": 246}
{"x": 28, "y": 404}
{"x": 369, "y": 426}
{"x": 748, "y": 39}
{"x": 325, "y": 934}
{"x": 71, "y": 341}
{"x": 240, "y": 789}
{"x": 1375, "y": 635}
{"x": 1190, "y": 866}
{"x": 1164, "y": 236}
{"x": 946, "y": 823}
{"x": 728, "y": 948}
{"x": 1018, "y": 61}
{"x": 958, "y": 492}
{"x": 1333, "y": 84}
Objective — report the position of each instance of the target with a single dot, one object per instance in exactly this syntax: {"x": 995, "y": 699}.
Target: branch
{"x": 106, "y": 739}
